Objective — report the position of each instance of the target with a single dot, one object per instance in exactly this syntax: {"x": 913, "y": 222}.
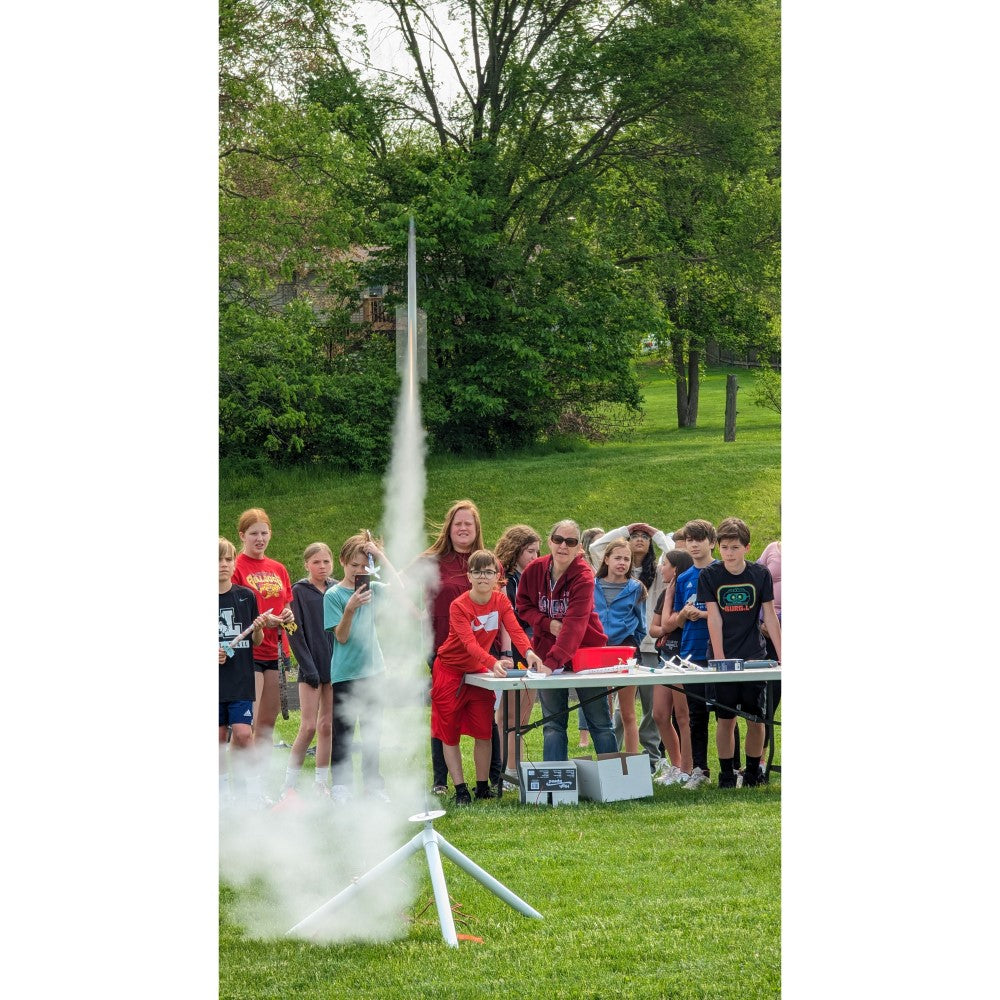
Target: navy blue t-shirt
{"x": 237, "y": 611}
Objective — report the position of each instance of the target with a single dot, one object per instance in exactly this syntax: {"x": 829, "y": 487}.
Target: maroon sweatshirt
{"x": 570, "y": 600}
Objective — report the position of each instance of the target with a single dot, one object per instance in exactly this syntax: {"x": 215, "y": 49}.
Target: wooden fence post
{"x": 730, "y": 431}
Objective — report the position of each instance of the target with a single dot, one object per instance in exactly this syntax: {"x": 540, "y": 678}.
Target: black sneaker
{"x": 462, "y": 797}
{"x": 727, "y": 780}
{"x": 487, "y": 793}
{"x": 751, "y": 777}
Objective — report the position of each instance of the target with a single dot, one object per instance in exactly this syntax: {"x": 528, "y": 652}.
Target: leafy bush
{"x": 767, "y": 389}
{"x": 282, "y": 402}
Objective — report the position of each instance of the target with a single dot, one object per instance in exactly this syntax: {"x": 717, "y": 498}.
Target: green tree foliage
{"x": 583, "y": 182}
{"x": 694, "y": 202}
{"x": 281, "y": 401}
{"x": 535, "y": 295}
{"x": 767, "y": 389}
{"x": 296, "y": 382}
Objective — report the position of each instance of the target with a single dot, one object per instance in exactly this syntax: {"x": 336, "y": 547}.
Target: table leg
{"x": 503, "y": 743}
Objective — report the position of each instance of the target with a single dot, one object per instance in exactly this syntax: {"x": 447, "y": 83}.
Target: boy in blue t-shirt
{"x": 691, "y": 615}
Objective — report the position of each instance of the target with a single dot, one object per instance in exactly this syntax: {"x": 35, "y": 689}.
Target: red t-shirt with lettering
{"x": 269, "y": 581}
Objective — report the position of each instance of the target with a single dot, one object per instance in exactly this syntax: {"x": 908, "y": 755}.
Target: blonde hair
{"x": 355, "y": 544}
{"x": 226, "y": 548}
{"x": 315, "y": 547}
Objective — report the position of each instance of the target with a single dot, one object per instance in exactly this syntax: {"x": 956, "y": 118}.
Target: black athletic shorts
{"x": 748, "y": 696}
{"x": 261, "y": 665}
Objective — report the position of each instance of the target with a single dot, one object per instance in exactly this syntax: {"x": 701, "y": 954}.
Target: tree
{"x": 525, "y": 303}
{"x": 539, "y": 267}
{"x": 695, "y": 206}
{"x": 294, "y": 193}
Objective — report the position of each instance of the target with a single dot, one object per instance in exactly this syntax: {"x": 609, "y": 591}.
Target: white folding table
{"x": 600, "y": 681}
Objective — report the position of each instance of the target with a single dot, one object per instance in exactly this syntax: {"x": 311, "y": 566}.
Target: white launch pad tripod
{"x": 434, "y": 845}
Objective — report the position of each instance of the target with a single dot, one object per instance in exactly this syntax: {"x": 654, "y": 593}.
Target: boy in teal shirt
{"x": 356, "y": 669}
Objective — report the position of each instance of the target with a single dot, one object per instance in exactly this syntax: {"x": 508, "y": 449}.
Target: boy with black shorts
{"x": 735, "y": 593}
{"x": 237, "y": 612}
{"x": 689, "y": 614}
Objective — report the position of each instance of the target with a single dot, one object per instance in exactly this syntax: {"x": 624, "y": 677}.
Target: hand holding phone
{"x": 361, "y": 581}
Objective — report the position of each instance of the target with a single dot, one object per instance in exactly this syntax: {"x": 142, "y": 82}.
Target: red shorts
{"x": 459, "y": 709}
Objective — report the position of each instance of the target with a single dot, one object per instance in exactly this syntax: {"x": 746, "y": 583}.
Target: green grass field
{"x": 664, "y": 476}
{"x": 677, "y": 896}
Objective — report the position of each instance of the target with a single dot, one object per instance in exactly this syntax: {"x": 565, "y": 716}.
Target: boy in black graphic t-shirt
{"x": 237, "y": 612}
{"x": 735, "y": 593}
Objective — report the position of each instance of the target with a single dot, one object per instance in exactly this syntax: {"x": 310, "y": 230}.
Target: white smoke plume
{"x": 289, "y": 860}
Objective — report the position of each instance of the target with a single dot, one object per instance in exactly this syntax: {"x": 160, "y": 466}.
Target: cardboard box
{"x": 614, "y": 777}
{"x": 549, "y": 783}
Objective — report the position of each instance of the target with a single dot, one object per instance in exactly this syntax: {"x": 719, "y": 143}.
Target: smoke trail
{"x": 289, "y": 860}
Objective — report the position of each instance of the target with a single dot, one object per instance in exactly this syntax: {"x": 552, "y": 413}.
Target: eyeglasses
{"x": 571, "y": 543}
{"x": 482, "y": 572}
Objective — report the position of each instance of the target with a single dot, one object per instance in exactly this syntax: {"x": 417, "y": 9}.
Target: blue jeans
{"x": 555, "y": 706}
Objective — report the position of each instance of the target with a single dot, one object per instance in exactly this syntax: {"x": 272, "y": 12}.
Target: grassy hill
{"x": 663, "y": 476}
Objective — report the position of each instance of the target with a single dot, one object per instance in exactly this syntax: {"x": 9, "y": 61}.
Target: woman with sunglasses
{"x": 556, "y": 598}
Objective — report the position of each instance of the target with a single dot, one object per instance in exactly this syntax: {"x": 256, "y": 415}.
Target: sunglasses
{"x": 568, "y": 542}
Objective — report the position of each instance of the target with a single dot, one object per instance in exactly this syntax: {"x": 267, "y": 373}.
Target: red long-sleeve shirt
{"x": 569, "y": 600}
{"x": 472, "y": 628}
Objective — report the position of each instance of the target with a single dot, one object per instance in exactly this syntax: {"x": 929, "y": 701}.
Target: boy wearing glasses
{"x": 458, "y": 709}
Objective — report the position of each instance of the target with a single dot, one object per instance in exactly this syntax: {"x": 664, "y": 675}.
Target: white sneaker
{"x": 697, "y": 779}
{"x": 670, "y": 776}
{"x": 662, "y": 765}
{"x": 739, "y": 779}
{"x": 340, "y": 794}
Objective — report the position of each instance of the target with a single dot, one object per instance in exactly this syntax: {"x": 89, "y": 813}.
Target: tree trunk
{"x": 686, "y": 376}
{"x": 680, "y": 380}
{"x": 694, "y": 384}
{"x": 729, "y": 434}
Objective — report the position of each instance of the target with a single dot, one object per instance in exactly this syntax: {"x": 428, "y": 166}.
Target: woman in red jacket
{"x": 555, "y": 596}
